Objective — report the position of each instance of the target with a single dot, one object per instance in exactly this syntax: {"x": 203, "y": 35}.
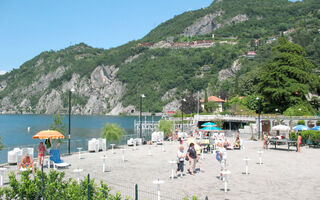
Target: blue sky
{"x": 31, "y": 26}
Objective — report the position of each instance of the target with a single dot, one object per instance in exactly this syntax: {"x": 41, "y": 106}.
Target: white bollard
{"x": 247, "y": 167}
{"x": 260, "y": 156}
{"x": 112, "y": 145}
{"x": 149, "y": 150}
{"x": 225, "y": 173}
{"x": 158, "y": 182}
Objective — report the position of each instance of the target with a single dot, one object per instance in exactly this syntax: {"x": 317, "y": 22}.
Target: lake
{"x": 14, "y": 133}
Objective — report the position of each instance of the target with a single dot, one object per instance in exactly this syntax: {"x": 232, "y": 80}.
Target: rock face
{"x": 231, "y": 72}
{"x": 203, "y": 25}
{"x": 99, "y": 94}
{"x": 207, "y": 24}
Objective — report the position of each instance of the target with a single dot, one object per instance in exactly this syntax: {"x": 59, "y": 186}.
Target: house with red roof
{"x": 219, "y": 102}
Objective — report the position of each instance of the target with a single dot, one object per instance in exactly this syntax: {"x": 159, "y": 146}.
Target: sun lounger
{"x": 55, "y": 158}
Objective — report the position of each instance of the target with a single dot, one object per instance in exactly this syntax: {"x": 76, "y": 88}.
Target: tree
{"x": 211, "y": 106}
{"x": 205, "y": 99}
{"x": 190, "y": 105}
{"x": 112, "y": 132}
{"x": 166, "y": 126}
{"x": 58, "y": 125}
{"x": 287, "y": 78}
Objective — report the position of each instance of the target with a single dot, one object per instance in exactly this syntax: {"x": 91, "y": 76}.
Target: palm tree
{"x": 112, "y": 132}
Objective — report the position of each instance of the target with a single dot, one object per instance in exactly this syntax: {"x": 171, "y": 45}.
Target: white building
{"x": 219, "y": 102}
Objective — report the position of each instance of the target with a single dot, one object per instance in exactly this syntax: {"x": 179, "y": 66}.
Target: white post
{"x": 1, "y": 179}
{"x": 149, "y": 150}
{"x": 159, "y": 198}
{"x": 172, "y": 171}
{"x": 247, "y": 167}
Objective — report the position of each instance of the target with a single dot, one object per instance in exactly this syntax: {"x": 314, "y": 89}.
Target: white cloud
{"x": 2, "y": 72}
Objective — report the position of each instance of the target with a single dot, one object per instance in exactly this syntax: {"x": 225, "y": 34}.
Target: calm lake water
{"x": 14, "y": 133}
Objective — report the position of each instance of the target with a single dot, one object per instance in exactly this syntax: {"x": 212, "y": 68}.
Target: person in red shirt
{"x": 298, "y": 142}
{"x": 41, "y": 152}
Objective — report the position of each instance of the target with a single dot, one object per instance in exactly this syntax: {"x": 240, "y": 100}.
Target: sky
{"x": 28, "y": 27}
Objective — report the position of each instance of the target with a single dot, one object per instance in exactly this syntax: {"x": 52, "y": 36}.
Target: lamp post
{"x": 140, "y": 118}
{"x": 259, "y": 111}
{"x": 69, "y": 130}
{"x": 182, "y": 112}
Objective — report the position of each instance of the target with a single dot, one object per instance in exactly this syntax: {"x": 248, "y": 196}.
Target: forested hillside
{"x": 196, "y": 51}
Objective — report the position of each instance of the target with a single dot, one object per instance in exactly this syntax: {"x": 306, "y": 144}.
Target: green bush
{"x": 56, "y": 187}
{"x": 301, "y": 122}
{"x": 166, "y": 126}
{"x": 112, "y": 132}
{"x": 315, "y": 135}
{"x": 293, "y": 136}
{"x": 306, "y": 134}
{"x": 318, "y": 123}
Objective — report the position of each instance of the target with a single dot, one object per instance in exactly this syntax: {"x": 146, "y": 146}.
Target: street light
{"x": 259, "y": 111}
{"x": 69, "y": 136}
{"x": 140, "y": 118}
{"x": 182, "y": 112}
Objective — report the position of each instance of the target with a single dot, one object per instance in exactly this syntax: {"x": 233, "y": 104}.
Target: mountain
{"x": 198, "y": 50}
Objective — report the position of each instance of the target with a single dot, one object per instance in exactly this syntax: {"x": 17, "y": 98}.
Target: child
{"x": 298, "y": 142}
{"x": 181, "y": 156}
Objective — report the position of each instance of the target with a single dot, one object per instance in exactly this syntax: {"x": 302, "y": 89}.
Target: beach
{"x": 283, "y": 174}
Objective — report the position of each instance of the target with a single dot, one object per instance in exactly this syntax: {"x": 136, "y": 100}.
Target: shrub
{"x": 301, "y": 122}
{"x": 306, "y": 134}
{"x": 112, "y": 132}
{"x": 293, "y": 136}
{"x": 166, "y": 127}
{"x": 56, "y": 187}
{"x": 318, "y": 123}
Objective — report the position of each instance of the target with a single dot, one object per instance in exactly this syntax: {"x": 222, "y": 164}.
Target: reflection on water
{"x": 13, "y": 129}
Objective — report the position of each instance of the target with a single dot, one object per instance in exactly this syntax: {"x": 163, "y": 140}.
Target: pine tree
{"x": 287, "y": 78}
{"x": 205, "y": 100}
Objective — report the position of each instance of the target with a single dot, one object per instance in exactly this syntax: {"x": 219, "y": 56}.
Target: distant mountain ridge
{"x": 195, "y": 51}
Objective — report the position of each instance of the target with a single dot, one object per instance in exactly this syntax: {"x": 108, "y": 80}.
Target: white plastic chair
{"x": 92, "y": 145}
{"x": 103, "y": 144}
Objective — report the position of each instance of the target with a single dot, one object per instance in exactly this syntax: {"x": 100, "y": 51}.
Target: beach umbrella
{"x": 316, "y": 128}
{"x": 280, "y": 128}
{"x": 48, "y": 134}
{"x": 209, "y": 124}
{"x": 210, "y": 128}
{"x": 301, "y": 128}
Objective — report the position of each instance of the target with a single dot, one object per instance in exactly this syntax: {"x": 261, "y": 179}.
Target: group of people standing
{"x": 191, "y": 156}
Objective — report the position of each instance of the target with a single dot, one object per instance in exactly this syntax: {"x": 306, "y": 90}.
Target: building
{"x": 251, "y": 54}
{"x": 219, "y": 102}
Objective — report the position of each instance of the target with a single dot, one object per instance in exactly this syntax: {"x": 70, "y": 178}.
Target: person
{"x": 181, "y": 156}
{"x": 265, "y": 140}
{"x": 298, "y": 142}
{"x": 26, "y": 163}
{"x": 221, "y": 156}
{"x": 192, "y": 156}
{"x": 48, "y": 144}
{"x": 237, "y": 143}
{"x": 41, "y": 152}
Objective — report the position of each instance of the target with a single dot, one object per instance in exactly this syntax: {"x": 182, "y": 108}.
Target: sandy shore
{"x": 283, "y": 174}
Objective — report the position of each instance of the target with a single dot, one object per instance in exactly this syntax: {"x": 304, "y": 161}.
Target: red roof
{"x": 214, "y": 98}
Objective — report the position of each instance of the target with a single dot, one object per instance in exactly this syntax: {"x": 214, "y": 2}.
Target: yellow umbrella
{"x": 48, "y": 134}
